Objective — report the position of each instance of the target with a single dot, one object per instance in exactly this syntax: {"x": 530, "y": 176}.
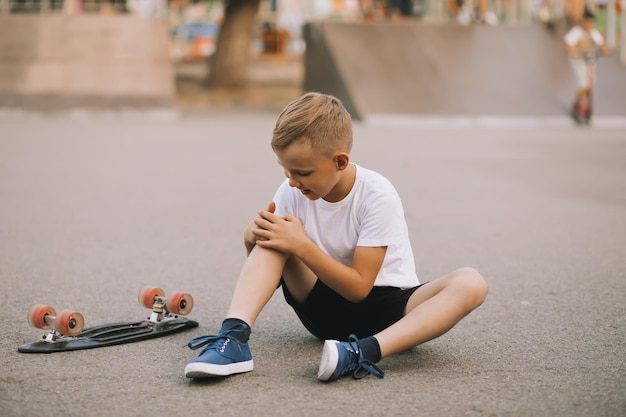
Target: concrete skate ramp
{"x": 57, "y": 61}
{"x": 420, "y": 69}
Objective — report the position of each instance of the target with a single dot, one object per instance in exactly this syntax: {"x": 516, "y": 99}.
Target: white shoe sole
{"x": 328, "y": 363}
{"x": 208, "y": 370}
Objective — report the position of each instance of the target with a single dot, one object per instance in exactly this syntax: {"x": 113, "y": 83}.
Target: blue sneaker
{"x": 342, "y": 358}
{"x": 223, "y": 355}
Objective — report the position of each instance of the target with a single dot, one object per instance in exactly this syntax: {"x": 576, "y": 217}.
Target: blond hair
{"x": 319, "y": 118}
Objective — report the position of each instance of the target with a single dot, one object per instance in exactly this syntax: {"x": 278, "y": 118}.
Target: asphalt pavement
{"x": 92, "y": 208}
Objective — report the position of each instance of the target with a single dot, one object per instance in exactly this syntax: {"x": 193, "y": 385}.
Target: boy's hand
{"x": 249, "y": 238}
{"x": 571, "y": 51}
{"x": 284, "y": 234}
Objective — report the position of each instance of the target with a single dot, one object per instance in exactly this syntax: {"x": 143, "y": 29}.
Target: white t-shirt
{"x": 370, "y": 215}
{"x": 582, "y": 40}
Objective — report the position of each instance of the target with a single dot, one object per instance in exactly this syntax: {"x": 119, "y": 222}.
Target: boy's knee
{"x": 473, "y": 283}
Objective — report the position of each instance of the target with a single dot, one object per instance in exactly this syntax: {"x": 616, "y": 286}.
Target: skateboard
{"x": 67, "y": 328}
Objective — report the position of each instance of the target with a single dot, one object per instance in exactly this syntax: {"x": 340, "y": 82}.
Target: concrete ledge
{"x": 69, "y": 61}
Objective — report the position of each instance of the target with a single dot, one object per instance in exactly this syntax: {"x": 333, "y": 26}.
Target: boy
{"x": 336, "y": 240}
{"x": 463, "y": 11}
{"x": 581, "y": 44}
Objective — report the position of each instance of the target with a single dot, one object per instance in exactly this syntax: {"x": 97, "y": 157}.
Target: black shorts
{"x": 327, "y": 315}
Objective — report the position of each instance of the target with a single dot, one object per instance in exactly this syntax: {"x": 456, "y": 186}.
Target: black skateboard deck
{"x": 67, "y": 332}
{"x": 111, "y": 334}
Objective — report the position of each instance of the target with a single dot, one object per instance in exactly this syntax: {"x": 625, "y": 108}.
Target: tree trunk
{"x": 229, "y": 62}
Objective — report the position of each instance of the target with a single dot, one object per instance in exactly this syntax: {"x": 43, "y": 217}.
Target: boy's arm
{"x": 353, "y": 283}
{"x": 601, "y": 42}
{"x": 288, "y": 235}
{"x": 605, "y": 49}
{"x": 571, "y": 51}
{"x": 570, "y": 39}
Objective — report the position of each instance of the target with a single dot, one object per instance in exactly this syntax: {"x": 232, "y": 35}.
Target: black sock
{"x": 370, "y": 349}
{"x": 242, "y": 335}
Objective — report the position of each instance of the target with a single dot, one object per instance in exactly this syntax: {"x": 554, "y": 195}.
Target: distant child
{"x": 582, "y": 43}
{"x": 336, "y": 240}
{"x": 463, "y": 11}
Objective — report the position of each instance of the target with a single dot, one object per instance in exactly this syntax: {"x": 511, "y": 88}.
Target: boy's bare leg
{"x": 434, "y": 309}
{"x": 228, "y": 352}
{"x": 257, "y": 282}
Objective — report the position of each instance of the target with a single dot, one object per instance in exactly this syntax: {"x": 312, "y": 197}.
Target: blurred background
{"x": 451, "y": 57}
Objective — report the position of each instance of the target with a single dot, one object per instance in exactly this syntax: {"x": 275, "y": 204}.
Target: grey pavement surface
{"x": 92, "y": 209}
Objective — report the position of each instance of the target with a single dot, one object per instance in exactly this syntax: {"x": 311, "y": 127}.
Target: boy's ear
{"x": 342, "y": 160}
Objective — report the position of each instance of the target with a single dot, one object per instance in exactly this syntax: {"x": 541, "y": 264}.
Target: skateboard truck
{"x": 160, "y": 312}
{"x": 164, "y": 308}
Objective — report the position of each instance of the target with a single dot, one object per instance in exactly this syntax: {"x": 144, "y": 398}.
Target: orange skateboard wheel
{"x": 147, "y": 295}
{"x": 37, "y": 316}
{"x": 179, "y": 303}
{"x": 69, "y": 323}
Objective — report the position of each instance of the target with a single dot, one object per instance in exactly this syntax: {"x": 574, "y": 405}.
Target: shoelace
{"x": 212, "y": 341}
{"x": 360, "y": 366}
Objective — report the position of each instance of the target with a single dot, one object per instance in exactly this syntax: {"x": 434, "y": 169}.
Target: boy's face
{"x": 588, "y": 23}
{"x": 313, "y": 173}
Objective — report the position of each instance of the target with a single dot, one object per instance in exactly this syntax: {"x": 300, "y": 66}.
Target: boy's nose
{"x": 293, "y": 183}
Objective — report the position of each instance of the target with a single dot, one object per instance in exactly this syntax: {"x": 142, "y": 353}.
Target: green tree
{"x": 229, "y": 62}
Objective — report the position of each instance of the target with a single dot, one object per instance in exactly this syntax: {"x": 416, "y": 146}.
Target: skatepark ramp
{"x": 58, "y": 61}
{"x": 446, "y": 69}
